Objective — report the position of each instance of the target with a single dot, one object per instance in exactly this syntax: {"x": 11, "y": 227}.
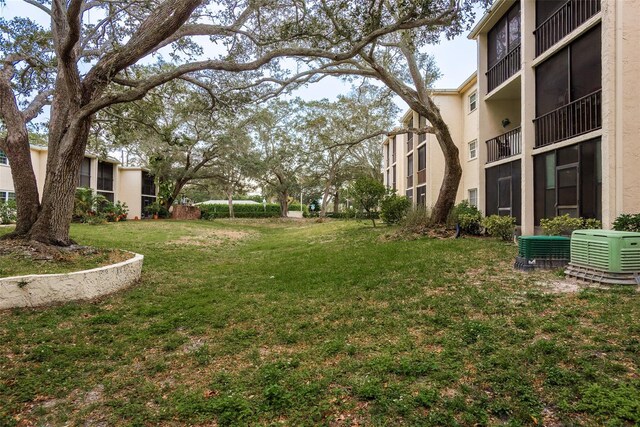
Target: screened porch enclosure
{"x": 503, "y": 185}
{"x": 569, "y": 181}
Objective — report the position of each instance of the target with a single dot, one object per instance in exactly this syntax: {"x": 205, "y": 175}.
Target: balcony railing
{"x": 570, "y": 16}
{"x": 503, "y": 69}
{"x": 410, "y": 181}
{"x": 504, "y": 146}
{"x": 422, "y": 176}
{"x": 576, "y": 118}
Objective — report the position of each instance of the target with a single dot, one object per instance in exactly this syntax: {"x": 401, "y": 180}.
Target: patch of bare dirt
{"x": 30, "y": 250}
{"x": 212, "y": 237}
{"x": 567, "y": 286}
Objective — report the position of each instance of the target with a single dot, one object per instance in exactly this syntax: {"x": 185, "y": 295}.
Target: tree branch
{"x": 39, "y": 101}
{"x": 42, "y": 7}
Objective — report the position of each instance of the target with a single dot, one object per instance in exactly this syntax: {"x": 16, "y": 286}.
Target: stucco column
{"x": 627, "y": 106}
{"x": 93, "y": 179}
{"x": 528, "y": 111}
{"x": 483, "y": 128}
{"x": 611, "y": 161}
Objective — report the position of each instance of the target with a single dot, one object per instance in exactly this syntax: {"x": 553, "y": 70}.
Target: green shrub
{"x": 627, "y": 222}
{"x": 564, "y": 225}
{"x": 468, "y": 217}
{"x": 8, "y": 212}
{"x": 92, "y": 208}
{"x": 393, "y": 208}
{"x": 500, "y": 226}
{"x": 210, "y": 211}
{"x": 349, "y": 214}
{"x": 417, "y": 221}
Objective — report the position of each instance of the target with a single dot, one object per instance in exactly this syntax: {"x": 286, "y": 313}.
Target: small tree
{"x": 394, "y": 208}
{"x": 367, "y": 193}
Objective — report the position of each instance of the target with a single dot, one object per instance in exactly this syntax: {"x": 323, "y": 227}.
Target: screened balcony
{"x": 581, "y": 116}
{"x": 559, "y": 18}
{"x": 503, "y": 48}
{"x": 505, "y": 68}
{"x": 507, "y": 145}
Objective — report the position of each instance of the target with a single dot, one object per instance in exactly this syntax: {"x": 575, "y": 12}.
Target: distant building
{"x": 133, "y": 186}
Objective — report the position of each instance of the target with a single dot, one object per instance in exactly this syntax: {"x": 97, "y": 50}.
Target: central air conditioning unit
{"x": 605, "y": 256}
{"x": 546, "y": 252}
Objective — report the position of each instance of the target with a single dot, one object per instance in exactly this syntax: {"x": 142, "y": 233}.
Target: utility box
{"x": 605, "y": 256}
{"x": 545, "y": 252}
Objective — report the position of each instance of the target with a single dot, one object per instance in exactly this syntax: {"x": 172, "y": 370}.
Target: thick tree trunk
{"x": 25, "y": 185}
{"x": 325, "y": 200}
{"x": 63, "y": 165}
{"x": 283, "y": 199}
{"x": 452, "y": 170}
{"x": 336, "y": 202}
{"x": 423, "y": 105}
{"x": 16, "y": 147}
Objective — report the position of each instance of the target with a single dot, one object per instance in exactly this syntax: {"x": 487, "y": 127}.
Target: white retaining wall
{"x": 44, "y": 289}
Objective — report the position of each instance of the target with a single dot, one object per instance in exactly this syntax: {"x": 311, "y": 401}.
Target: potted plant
{"x": 153, "y": 209}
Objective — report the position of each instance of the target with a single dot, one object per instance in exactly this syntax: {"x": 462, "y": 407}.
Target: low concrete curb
{"x": 44, "y": 289}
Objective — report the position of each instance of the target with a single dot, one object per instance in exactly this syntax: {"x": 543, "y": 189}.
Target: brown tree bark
{"x": 16, "y": 147}
{"x": 420, "y": 102}
{"x": 63, "y": 166}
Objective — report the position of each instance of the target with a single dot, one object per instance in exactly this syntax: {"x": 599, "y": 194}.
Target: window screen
{"x": 421, "y": 195}
{"x": 473, "y": 197}
{"x": 513, "y": 27}
{"x": 504, "y": 36}
{"x": 546, "y": 8}
{"x": 105, "y": 176}
{"x": 394, "y": 177}
{"x": 422, "y": 157}
{"x": 504, "y": 193}
{"x": 552, "y": 83}
{"x": 567, "y": 186}
{"x": 571, "y": 185}
{"x": 85, "y": 173}
{"x": 423, "y": 124}
{"x": 586, "y": 64}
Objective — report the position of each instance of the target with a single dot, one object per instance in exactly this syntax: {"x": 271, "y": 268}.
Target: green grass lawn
{"x": 274, "y": 323}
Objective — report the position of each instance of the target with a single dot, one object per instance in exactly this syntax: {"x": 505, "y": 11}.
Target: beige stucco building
{"x": 133, "y": 186}
{"x": 414, "y": 164}
{"x": 555, "y": 117}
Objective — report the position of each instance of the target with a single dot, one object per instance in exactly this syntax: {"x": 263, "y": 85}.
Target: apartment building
{"x": 414, "y": 163}
{"x": 133, "y": 186}
{"x": 556, "y": 122}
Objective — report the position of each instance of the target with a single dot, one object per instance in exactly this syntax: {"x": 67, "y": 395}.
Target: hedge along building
{"x": 105, "y": 176}
{"x": 557, "y": 109}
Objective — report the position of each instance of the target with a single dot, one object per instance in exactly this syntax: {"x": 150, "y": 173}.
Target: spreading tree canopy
{"x": 81, "y": 66}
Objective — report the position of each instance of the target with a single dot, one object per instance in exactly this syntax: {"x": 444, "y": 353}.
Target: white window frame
{"x": 473, "y": 101}
{"x": 4, "y": 160}
{"x": 473, "y": 152}
{"x": 6, "y": 195}
{"x": 473, "y": 201}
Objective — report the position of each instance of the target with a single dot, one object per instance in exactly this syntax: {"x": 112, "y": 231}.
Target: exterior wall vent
{"x": 605, "y": 256}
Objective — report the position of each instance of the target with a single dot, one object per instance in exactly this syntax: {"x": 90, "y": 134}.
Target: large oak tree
{"x": 82, "y": 67}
